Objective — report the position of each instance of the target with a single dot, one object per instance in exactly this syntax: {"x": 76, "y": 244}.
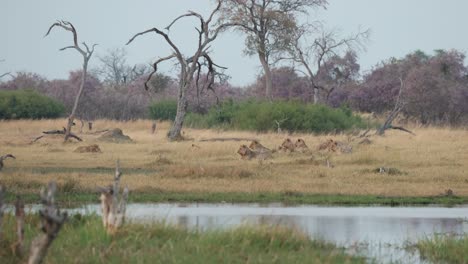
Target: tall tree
{"x": 86, "y": 52}
{"x": 327, "y": 60}
{"x": 191, "y": 66}
{"x": 267, "y": 25}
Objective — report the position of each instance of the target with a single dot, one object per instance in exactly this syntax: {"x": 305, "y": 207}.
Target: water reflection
{"x": 378, "y": 232}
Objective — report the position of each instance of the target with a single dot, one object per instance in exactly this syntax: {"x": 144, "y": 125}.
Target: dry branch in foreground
{"x": 18, "y": 246}
{"x": 113, "y": 206}
{"x": 4, "y": 157}
{"x": 51, "y": 222}
{"x": 2, "y": 194}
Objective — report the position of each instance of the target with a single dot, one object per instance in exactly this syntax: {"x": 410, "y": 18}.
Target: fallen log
{"x": 57, "y": 132}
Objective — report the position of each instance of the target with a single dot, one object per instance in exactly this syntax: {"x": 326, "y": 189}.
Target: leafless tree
{"x": 192, "y": 65}
{"x": 313, "y": 58}
{"x": 86, "y": 52}
{"x": 267, "y": 24}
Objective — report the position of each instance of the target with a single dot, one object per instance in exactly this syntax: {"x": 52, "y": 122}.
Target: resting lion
{"x": 256, "y": 146}
{"x": 301, "y": 146}
{"x": 88, "y": 149}
{"x": 335, "y": 146}
{"x": 248, "y": 154}
{"x": 287, "y": 145}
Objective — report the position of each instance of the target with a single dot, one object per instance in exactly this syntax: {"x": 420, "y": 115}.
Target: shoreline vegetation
{"x": 287, "y": 198}
{"x": 162, "y": 243}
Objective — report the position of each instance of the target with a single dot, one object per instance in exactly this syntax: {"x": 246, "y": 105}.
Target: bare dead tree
{"x": 279, "y": 123}
{"x": 313, "y": 58}
{"x": 113, "y": 203}
{"x": 399, "y": 105}
{"x": 51, "y": 223}
{"x": 86, "y": 52}
{"x": 189, "y": 65}
{"x": 7, "y": 74}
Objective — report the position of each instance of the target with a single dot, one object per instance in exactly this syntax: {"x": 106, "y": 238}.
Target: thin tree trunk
{"x": 71, "y": 117}
{"x": 267, "y": 72}
{"x": 316, "y": 95}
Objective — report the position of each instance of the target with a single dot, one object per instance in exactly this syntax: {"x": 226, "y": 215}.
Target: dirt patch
{"x": 88, "y": 149}
{"x": 115, "y": 136}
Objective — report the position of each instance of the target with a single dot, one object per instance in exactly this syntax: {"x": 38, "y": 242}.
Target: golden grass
{"x": 431, "y": 162}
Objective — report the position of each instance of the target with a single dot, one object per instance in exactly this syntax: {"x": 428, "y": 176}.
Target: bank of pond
{"x": 255, "y": 233}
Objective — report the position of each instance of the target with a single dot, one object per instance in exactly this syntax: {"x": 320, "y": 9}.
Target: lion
{"x": 301, "y": 146}
{"x": 256, "y": 146}
{"x": 335, "y": 146}
{"x": 88, "y": 149}
{"x": 287, "y": 145}
{"x": 248, "y": 154}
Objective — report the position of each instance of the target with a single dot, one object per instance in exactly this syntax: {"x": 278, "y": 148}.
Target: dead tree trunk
{"x": 86, "y": 53}
{"x": 18, "y": 246}
{"x": 189, "y": 65}
{"x": 51, "y": 223}
{"x": 399, "y": 105}
{"x": 113, "y": 203}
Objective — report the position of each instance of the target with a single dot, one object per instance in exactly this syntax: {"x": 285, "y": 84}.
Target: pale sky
{"x": 398, "y": 27}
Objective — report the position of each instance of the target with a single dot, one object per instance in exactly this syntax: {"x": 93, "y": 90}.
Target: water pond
{"x": 382, "y": 233}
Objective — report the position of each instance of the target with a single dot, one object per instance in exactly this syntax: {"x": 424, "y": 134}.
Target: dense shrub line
{"x": 263, "y": 116}
{"x": 163, "y": 110}
{"x": 20, "y": 104}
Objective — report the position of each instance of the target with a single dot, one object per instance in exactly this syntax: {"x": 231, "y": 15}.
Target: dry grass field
{"x": 428, "y": 164}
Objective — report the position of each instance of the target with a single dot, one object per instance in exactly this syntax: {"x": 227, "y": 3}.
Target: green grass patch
{"x": 83, "y": 240}
{"x": 444, "y": 249}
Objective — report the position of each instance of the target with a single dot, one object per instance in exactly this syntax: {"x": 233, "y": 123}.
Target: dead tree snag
{"x": 399, "y": 105}
{"x": 51, "y": 223}
{"x": 86, "y": 52}
{"x": 113, "y": 203}
{"x": 189, "y": 66}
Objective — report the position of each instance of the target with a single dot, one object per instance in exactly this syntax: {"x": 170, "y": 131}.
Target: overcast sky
{"x": 398, "y": 27}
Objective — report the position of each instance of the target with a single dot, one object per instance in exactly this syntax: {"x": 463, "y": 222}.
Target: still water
{"x": 381, "y": 233}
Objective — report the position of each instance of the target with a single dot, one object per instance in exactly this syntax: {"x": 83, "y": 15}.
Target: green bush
{"x": 163, "y": 110}
{"x": 28, "y": 104}
{"x": 262, "y": 116}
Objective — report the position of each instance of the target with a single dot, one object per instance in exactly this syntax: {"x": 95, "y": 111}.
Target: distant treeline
{"x": 435, "y": 91}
